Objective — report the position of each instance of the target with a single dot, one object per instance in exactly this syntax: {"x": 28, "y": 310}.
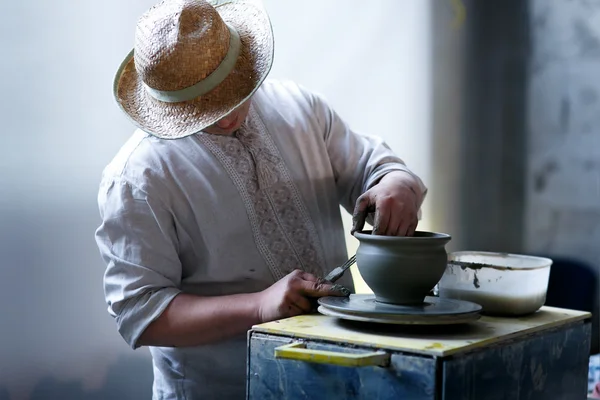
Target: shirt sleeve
{"x": 358, "y": 161}
{"x": 138, "y": 243}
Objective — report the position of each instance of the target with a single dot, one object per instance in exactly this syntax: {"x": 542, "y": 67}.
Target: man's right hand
{"x": 291, "y": 295}
{"x": 191, "y": 320}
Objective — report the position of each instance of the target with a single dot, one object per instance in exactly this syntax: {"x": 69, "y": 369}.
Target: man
{"x": 222, "y": 210}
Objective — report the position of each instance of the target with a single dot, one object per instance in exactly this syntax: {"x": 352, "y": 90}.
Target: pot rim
{"x": 366, "y": 236}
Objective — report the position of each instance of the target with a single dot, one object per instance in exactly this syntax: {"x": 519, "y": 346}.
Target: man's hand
{"x": 191, "y": 320}
{"x": 292, "y": 295}
{"x": 395, "y": 204}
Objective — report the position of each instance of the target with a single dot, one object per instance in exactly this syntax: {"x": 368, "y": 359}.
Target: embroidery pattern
{"x": 283, "y": 231}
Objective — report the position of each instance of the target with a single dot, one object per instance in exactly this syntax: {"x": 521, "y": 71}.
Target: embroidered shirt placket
{"x": 296, "y": 247}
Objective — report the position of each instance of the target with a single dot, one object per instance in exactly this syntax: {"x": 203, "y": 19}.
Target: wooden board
{"x": 435, "y": 341}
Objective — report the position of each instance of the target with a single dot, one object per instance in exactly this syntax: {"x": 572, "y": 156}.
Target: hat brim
{"x": 177, "y": 120}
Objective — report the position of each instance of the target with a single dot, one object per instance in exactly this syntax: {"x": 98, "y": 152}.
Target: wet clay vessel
{"x": 401, "y": 270}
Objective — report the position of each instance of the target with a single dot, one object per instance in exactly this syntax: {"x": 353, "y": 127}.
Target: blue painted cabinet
{"x": 406, "y": 376}
{"x": 317, "y": 357}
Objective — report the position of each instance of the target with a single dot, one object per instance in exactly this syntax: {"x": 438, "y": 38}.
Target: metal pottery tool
{"x": 339, "y": 271}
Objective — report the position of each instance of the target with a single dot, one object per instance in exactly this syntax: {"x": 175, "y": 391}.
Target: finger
{"x": 409, "y": 224}
{"x": 412, "y": 228}
{"x": 382, "y": 218}
{"x": 303, "y": 275}
{"x": 359, "y": 215}
{"x": 404, "y": 227}
{"x": 395, "y": 223}
{"x": 307, "y": 276}
{"x": 341, "y": 291}
{"x": 297, "y": 273}
{"x": 318, "y": 289}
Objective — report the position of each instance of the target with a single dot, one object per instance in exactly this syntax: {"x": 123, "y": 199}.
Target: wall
{"x": 564, "y": 144}
{"x": 374, "y": 71}
{"x": 484, "y": 143}
{"x": 563, "y": 168}
{"x": 447, "y": 53}
{"x": 520, "y": 105}
{"x": 60, "y": 127}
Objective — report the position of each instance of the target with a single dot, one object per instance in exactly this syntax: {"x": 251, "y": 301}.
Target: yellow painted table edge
{"x": 321, "y": 327}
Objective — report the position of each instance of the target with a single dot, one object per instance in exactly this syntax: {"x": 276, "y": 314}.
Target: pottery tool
{"x": 339, "y": 271}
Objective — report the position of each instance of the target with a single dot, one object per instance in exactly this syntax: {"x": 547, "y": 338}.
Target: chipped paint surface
{"x": 435, "y": 345}
{"x": 530, "y": 368}
{"x": 436, "y": 341}
{"x": 406, "y": 376}
{"x": 538, "y": 376}
{"x": 547, "y": 364}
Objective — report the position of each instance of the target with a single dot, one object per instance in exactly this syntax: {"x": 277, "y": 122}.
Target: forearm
{"x": 191, "y": 320}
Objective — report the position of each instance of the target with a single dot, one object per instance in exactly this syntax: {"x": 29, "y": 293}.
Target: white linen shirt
{"x": 216, "y": 215}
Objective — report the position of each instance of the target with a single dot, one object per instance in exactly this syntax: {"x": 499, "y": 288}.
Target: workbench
{"x": 540, "y": 356}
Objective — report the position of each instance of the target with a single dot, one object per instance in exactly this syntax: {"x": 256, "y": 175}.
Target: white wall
{"x": 563, "y": 171}
{"x": 372, "y": 66}
{"x": 564, "y": 141}
{"x": 60, "y": 127}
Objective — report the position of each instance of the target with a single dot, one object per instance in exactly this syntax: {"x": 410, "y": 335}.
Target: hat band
{"x": 210, "y": 82}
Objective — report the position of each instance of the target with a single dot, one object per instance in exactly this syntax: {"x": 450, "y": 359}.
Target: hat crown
{"x": 178, "y": 43}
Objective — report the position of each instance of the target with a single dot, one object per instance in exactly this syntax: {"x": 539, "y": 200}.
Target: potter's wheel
{"x": 434, "y": 311}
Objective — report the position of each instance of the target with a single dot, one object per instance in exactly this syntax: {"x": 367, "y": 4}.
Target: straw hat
{"x": 193, "y": 63}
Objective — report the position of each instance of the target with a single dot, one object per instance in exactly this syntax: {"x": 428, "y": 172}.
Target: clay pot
{"x": 399, "y": 269}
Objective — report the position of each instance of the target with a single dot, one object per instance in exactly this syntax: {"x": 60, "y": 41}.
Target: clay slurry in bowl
{"x": 401, "y": 269}
{"x": 496, "y": 304}
{"x": 503, "y": 284}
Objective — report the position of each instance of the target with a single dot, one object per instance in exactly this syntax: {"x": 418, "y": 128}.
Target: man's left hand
{"x": 394, "y": 201}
